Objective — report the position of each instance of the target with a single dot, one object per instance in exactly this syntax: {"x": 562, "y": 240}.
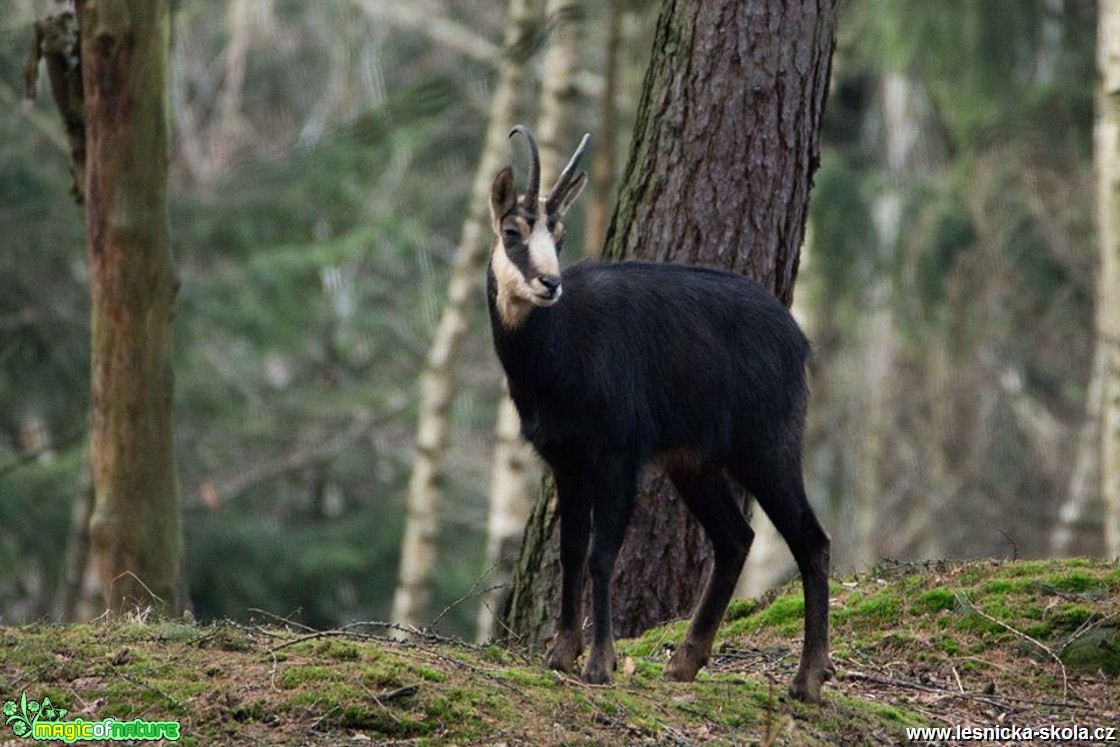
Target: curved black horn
{"x": 532, "y": 194}
{"x": 566, "y": 174}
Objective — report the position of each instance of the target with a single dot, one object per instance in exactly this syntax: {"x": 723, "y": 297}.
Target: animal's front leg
{"x": 575, "y": 530}
{"x": 601, "y": 661}
{"x": 611, "y": 515}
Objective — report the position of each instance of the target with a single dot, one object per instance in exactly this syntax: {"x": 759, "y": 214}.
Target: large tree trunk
{"x": 418, "y": 548}
{"x": 135, "y": 533}
{"x": 1107, "y": 156}
{"x": 724, "y": 148}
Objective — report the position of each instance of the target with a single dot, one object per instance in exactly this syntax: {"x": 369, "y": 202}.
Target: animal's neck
{"x": 506, "y": 308}
{"x": 520, "y": 345}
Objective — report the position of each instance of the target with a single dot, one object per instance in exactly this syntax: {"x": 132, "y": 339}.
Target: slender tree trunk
{"x": 910, "y": 149}
{"x": 1085, "y": 479}
{"x": 558, "y": 92}
{"x": 724, "y": 148}
{"x": 509, "y": 510}
{"x": 79, "y": 595}
{"x": 509, "y": 484}
{"x": 227, "y": 131}
{"x": 418, "y": 548}
{"x": 1107, "y": 156}
{"x": 135, "y": 533}
{"x": 603, "y": 169}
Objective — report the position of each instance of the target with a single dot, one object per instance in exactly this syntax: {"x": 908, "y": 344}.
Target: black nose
{"x": 551, "y": 283}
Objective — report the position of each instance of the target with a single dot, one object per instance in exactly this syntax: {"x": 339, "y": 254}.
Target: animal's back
{"x": 676, "y": 357}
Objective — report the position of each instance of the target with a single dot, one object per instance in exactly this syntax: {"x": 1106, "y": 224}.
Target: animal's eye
{"x": 511, "y": 234}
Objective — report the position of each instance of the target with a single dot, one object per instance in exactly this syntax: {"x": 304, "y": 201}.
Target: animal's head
{"x": 530, "y": 233}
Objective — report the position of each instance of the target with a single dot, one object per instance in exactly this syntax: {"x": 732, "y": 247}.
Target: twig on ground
{"x": 474, "y": 592}
{"x": 281, "y": 618}
{"x": 1042, "y": 646}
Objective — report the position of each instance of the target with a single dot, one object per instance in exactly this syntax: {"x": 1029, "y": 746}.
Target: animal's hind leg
{"x": 781, "y": 494}
{"x": 708, "y": 495}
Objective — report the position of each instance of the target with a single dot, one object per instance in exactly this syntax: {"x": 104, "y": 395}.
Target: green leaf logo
{"x": 49, "y": 712}
{"x": 17, "y": 716}
{"x": 23, "y": 717}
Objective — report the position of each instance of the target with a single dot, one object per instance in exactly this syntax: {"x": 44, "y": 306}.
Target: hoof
{"x": 684, "y": 664}
{"x": 596, "y": 676}
{"x": 680, "y": 672}
{"x": 805, "y": 693}
{"x": 806, "y": 685}
{"x": 806, "y": 688}
{"x": 600, "y": 665}
{"x": 562, "y": 653}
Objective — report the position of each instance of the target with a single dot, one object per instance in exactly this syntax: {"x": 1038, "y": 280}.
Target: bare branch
{"x": 410, "y": 16}
{"x": 222, "y": 490}
{"x": 46, "y": 127}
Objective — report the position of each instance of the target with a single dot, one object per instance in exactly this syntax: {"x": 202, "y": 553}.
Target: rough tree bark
{"x": 135, "y": 532}
{"x": 418, "y": 548}
{"x": 724, "y": 148}
{"x": 1107, "y": 157}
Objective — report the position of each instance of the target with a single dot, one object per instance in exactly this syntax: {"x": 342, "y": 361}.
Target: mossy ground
{"x": 973, "y": 643}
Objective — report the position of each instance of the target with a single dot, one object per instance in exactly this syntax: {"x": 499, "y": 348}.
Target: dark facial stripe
{"x": 519, "y": 258}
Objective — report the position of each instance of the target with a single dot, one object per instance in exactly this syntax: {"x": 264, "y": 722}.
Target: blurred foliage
{"x": 313, "y": 262}
{"x": 989, "y": 285}
{"x": 987, "y": 65}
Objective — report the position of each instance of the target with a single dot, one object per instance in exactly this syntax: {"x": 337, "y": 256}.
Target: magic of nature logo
{"x": 44, "y": 721}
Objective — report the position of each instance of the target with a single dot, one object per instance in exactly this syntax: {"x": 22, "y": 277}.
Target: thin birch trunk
{"x": 557, "y": 90}
{"x": 603, "y": 169}
{"x": 1085, "y": 480}
{"x": 910, "y": 150}
{"x": 79, "y": 596}
{"x": 509, "y": 510}
{"x": 418, "y": 548}
{"x": 509, "y": 481}
{"x": 1107, "y": 156}
{"x": 226, "y": 134}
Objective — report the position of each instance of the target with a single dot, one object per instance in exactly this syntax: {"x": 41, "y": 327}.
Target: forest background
{"x": 321, "y": 162}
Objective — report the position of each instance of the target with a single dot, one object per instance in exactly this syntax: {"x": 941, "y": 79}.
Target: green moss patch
{"x": 972, "y": 638}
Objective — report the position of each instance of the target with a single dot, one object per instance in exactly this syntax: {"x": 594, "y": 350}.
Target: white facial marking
{"x": 542, "y": 250}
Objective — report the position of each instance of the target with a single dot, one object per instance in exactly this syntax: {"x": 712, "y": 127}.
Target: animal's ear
{"x": 503, "y": 196}
{"x": 559, "y": 204}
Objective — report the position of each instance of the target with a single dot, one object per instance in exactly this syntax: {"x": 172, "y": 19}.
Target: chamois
{"x": 700, "y": 369}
